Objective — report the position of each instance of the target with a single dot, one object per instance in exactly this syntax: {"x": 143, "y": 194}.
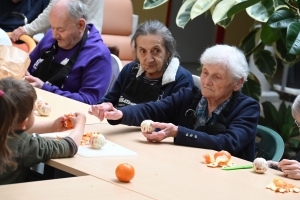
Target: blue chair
{"x": 270, "y": 146}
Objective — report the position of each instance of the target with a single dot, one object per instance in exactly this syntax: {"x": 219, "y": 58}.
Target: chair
{"x": 196, "y": 81}
{"x": 118, "y": 26}
{"x": 116, "y": 68}
{"x": 28, "y": 45}
{"x": 270, "y": 146}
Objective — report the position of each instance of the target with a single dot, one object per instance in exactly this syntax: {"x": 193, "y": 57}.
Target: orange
{"x": 68, "y": 123}
{"x": 125, "y": 172}
{"x": 222, "y": 153}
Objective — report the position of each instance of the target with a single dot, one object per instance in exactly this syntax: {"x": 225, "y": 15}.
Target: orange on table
{"x": 68, "y": 123}
{"x": 125, "y": 172}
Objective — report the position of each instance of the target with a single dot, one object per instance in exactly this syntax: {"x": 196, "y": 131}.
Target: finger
{"x": 112, "y": 115}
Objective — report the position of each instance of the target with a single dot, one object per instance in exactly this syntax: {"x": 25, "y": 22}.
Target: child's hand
{"x": 78, "y": 119}
{"x": 58, "y": 124}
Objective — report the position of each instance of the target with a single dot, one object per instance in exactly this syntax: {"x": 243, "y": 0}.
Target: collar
{"x": 170, "y": 73}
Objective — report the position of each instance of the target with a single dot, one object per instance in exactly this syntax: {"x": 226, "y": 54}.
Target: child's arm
{"x": 78, "y": 120}
{"x": 48, "y": 126}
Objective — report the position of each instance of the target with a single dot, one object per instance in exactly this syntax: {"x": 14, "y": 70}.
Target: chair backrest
{"x": 28, "y": 45}
{"x": 270, "y": 146}
{"x": 117, "y": 27}
{"x": 116, "y": 68}
{"x": 196, "y": 81}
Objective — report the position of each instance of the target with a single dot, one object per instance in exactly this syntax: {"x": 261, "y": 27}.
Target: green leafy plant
{"x": 276, "y": 25}
{"x": 283, "y": 123}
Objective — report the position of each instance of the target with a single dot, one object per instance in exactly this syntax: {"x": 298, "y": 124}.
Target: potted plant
{"x": 276, "y": 25}
{"x": 283, "y": 123}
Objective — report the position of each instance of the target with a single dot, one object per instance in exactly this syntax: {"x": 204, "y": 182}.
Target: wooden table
{"x": 61, "y": 105}
{"x": 83, "y": 187}
{"x": 167, "y": 171}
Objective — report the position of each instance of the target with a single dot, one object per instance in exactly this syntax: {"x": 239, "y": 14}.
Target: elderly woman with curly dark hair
{"x": 155, "y": 74}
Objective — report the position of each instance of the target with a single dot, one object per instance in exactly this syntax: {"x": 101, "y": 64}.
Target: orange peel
{"x": 279, "y": 185}
{"x": 219, "y": 159}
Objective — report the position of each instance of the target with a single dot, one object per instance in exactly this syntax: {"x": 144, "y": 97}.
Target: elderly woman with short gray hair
{"x": 155, "y": 74}
{"x": 217, "y": 117}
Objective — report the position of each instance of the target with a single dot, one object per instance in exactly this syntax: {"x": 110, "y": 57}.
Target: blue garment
{"x": 201, "y": 112}
{"x": 29, "y": 8}
{"x": 174, "y": 78}
{"x": 241, "y": 118}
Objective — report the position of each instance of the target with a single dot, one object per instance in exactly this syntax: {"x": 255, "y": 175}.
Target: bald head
{"x": 68, "y": 21}
{"x": 75, "y": 9}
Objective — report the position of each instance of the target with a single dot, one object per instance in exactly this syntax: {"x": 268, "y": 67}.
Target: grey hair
{"x": 154, "y": 27}
{"x": 296, "y": 107}
{"x": 229, "y": 56}
{"x": 77, "y": 10}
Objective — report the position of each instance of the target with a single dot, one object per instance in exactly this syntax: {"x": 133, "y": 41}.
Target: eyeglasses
{"x": 297, "y": 123}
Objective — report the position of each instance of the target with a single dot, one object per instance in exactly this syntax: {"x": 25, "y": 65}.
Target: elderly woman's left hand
{"x": 290, "y": 168}
{"x": 166, "y": 130}
{"x": 35, "y": 82}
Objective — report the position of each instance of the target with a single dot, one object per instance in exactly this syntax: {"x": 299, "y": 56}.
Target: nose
{"x": 149, "y": 57}
{"x": 207, "y": 80}
{"x": 55, "y": 34}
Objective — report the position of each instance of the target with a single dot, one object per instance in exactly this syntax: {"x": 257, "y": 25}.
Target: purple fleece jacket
{"x": 90, "y": 75}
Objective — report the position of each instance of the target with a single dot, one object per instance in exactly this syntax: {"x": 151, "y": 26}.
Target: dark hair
{"x": 16, "y": 104}
{"x": 154, "y": 27}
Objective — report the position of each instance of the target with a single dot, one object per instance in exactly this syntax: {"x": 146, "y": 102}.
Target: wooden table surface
{"x": 82, "y": 187}
{"x": 61, "y": 105}
{"x": 167, "y": 171}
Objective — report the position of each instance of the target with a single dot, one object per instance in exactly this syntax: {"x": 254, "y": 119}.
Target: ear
{"x": 238, "y": 84}
{"x": 23, "y": 124}
{"x": 81, "y": 24}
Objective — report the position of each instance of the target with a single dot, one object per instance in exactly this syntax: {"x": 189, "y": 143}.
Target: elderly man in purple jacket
{"x": 71, "y": 60}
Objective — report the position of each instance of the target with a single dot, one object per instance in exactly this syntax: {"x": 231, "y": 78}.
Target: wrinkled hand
{"x": 99, "y": 110}
{"x": 272, "y": 164}
{"x": 35, "y": 82}
{"x": 16, "y": 34}
{"x": 166, "y": 130}
{"x": 105, "y": 110}
{"x": 78, "y": 119}
{"x": 290, "y": 168}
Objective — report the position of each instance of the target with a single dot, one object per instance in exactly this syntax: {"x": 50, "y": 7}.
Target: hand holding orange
{"x": 125, "y": 172}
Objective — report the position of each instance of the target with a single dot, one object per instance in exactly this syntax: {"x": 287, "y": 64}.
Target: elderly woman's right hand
{"x": 105, "y": 110}
{"x": 290, "y": 168}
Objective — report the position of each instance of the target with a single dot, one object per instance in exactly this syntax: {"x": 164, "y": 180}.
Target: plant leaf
{"x": 201, "y": 6}
{"x": 285, "y": 132}
{"x": 250, "y": 41}
{"x": 293, "y": 38}
{"x": 224, "y": 23}
{"x": 281, "y": 19}
{"x": 282, "y": 52}
{"x": 294, "y": 142}
{"x": 265, "y": 62}
{"x": 241, "y": 6}
{"x": 272, "y": 115}
{"x": 269, "y": 35}
{"x": 258, "y": 12}
{"x": 149, "y": 4}
{"x": 184, "y": 13}
{"x": 252, "y": 88}
{"x": 220, "y": 11}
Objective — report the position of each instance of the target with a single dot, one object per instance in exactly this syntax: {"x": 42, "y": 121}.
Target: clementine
{"x": 68, "y": 123}
{"x": 125, "y": 172}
